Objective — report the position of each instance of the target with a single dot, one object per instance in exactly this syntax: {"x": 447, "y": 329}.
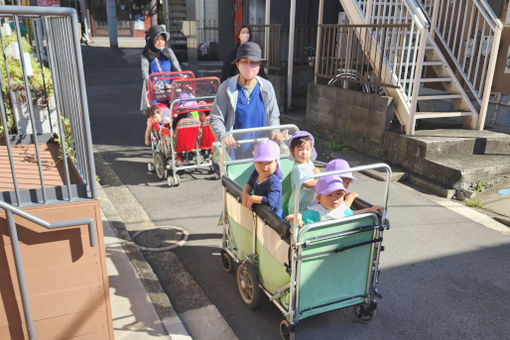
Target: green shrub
{"x": 40, "y": 95}
{"x": 480, "y": 185}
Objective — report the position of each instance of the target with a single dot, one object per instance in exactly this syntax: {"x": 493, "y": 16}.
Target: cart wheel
{"x": 286, "y": 330}
{"x": 364, "y": 313}
{"x": 150, "y": 167}
{"x": 160, "y": 165}
{"x": 174, "y": 181}
{"x": 248, "y": 285}
{"x": 226, "y": 262}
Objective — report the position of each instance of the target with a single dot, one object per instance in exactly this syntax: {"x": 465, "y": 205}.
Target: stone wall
{"x": 344, "y": 116}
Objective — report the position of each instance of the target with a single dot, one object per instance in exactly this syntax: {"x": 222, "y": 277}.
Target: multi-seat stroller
{"x": 183, "y": 139}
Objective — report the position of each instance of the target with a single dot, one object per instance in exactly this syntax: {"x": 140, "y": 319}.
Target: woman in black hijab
{"x": 156, "y": 57}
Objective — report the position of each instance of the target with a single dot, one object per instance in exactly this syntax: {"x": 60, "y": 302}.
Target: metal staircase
{"x": 445, "y": 58}
{"x": 176, "y": 10}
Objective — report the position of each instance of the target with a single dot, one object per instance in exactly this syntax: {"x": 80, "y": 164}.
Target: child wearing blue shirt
{"x": 301, "y": 146}
{"x": 265, "y": 180}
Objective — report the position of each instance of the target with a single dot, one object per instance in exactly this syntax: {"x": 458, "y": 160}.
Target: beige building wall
{"x": 501, "y": 82}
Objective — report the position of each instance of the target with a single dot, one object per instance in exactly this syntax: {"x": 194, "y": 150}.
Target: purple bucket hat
{"x": 327, "y": 184}
{"x": 300, "y": 134}
{"x": 266, "y": 151}
{"x": 341, "y": 164}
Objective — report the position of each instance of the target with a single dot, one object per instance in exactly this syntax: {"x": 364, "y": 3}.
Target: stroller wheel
{"x": 286, "y": 330}
{"x": 173, "y": 181}
{"x": 248, "y": 285}
{"x": 226, "y": 262}
{"x": 160, "y": 165}
{"x": 150, "y": 166}
{"x": 365, "y": 312}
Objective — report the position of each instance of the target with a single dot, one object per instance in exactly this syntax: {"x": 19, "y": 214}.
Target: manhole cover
{"x": 160, "y": 238}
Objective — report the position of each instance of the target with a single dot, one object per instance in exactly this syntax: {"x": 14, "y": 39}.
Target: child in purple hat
{"x": 265, "y": 180}
{"x": 347, "y": 178}
{"x": 302, "y": 151}
{"x": 330, "y": 193}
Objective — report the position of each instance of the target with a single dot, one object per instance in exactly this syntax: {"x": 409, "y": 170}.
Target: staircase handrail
{"x": 478, "y": 26}
{"x": 413, "y": 7}
{"x": 11, "y": 210}
{"x": 490, "y": 12}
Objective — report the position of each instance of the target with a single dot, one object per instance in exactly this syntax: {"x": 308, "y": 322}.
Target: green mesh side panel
{"x": 286, "y": 167}
{"x": 335, "y": 276}
{"x": 242, "y": 237}
{"x": 240, "y": 173}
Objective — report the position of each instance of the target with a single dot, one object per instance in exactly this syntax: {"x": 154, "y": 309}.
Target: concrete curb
{"x": 162, "y": 304}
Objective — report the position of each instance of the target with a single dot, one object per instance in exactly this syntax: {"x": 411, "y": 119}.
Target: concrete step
{"x": 211, "y": 73}
{"x": 454, "y": 158}
{"x": 462, "y": 172}
{"x": 437, "y": 144}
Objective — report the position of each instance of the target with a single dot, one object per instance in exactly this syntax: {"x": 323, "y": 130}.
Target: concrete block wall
{"x": 345, "y": 116}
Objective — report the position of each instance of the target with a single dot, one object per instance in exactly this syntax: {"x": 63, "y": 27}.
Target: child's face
{"x": 331, "y": 201}
{"x": 265, "y": 169}
{"x": 303, "y": 152}
{"x": 202, "y": 116}
{"x": 346, "y": 181}
{"x": 156, "y": 117}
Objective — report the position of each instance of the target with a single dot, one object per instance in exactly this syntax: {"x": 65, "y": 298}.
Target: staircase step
{"x": 435, "y": 80}
{"x": 429, "y": 80}
{"x": 433, "y": 63}
{"x": 425, "y": 115}
{"x": 440, "y": 96}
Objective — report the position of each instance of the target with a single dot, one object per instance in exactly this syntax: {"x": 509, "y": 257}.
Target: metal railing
{"x": 272, "y": 50}
{"x": 44, "y": 95}
{"x": 470, "y": 33}
{"x": 10, "y": 211}
{"x": 208, "y": 38}
{"x": 207, "y": 30}
{"x": 405, "y": 62}
{"x": 344, "y": 53}
{"x": 305, "y": 38}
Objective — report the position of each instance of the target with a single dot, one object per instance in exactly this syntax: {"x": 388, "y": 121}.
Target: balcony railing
{"x": 345, "y": 53}
{"x": 45, "y": 140}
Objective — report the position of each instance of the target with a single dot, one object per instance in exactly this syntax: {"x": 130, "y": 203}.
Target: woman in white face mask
{"x": 228, "y": 70}
{"x": 245, "y": 100}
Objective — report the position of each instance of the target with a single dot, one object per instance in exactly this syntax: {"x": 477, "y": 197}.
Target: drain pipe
{"x": 267, "y": 22}
{"x": 290, "y": 61}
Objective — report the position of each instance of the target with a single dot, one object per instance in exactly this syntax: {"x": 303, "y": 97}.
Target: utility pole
{"x": 166, "y": 15}
{"x": 111, "y": 17}
{"x": 154, "y": 17}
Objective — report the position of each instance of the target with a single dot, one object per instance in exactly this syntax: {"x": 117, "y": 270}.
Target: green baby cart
{"x": 305, "y": 270}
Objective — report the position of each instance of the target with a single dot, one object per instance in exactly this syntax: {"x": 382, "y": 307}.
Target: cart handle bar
{"x": 258, "y": 129}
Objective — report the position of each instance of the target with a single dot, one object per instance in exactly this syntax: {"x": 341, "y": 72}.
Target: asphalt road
{"x": 442, "y": 274}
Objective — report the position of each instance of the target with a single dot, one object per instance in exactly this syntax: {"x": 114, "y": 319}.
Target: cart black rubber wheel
{"x": 364, "y": 313}
{"x": 160, "y": 165}
{"x": 286, "y": 330}
{"x": 226, "y": 262}
{"x": 248, "y": 285}
{"x": 150, "y": 167}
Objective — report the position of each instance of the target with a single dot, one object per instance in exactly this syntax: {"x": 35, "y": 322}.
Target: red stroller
{"x": 185, "y": 142}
